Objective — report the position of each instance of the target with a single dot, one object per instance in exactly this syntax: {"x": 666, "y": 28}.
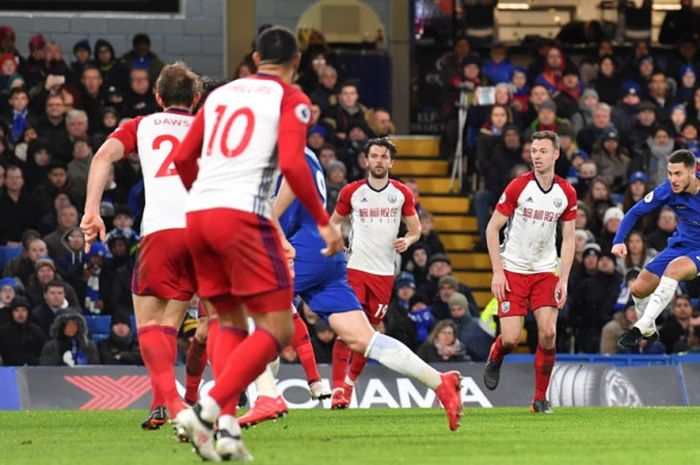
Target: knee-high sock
{"x": 302, "y": 344}
{"x": 341, "y": 357}
{"x": 661, "y": 296}
{"x": 194, "y": 368}
{"x": 544, "y": 362}
{"x": 227, "y": 341}
{"x": 153, "y": 352}
{"x": 640, "y": 304}
{"x": 266, "y": 384}
{"x": 242, "y": 367}
{"x": 399, "y": 358}
{"x": 172, "y": 398}
{"x": 357, "y": 364}
{"x": 498, "y": 351}
{"x": 212, "y": 335}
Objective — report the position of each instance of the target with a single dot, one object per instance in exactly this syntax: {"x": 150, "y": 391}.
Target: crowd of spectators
{"x": 616, "y": 126}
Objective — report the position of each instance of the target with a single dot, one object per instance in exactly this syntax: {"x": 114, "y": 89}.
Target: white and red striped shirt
{"x": 229, "y": 158}
{"x": 155, "y": 137}
{"x": 529, "y": 244}
{"x": 376, "y": 217}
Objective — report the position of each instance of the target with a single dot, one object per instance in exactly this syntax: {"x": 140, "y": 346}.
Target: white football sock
{"x": 640, "y": 304}
{"x": 230, "y": 424}
{"x": 265, "y": 383}
{"x": 210, "y": 409}
{"x": 658, "y": 301}
{"x": 274, "y": 366}
{"x": 399, "y": 358}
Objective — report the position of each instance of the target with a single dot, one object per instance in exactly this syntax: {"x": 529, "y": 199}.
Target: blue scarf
{"x": 92, "y": 292}
{"x": 78, "y": 355}
{"x": 19, "y": 123}
{"x": 423, "y": 321}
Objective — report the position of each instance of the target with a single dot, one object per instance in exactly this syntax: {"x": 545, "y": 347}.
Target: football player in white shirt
{"x": 375, "y": 206}
{"x": 524, "y": 265}
{"x": 163, "y": 280}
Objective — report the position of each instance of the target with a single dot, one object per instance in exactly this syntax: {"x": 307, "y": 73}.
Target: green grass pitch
{"x": 498, "y": 436}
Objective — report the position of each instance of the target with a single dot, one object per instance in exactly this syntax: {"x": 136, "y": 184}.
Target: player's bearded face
{"x": 379, "y": 163}
{"x": 680, "y": 177}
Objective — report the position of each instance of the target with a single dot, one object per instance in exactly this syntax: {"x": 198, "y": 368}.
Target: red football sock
{"x": 227, "y": 340}
{"x": 357, "y": 364}
{"x": 302, "y": 344}
{"x": 341, "y": 357}
{"x": 544, "y": 362}
{"x": 194, "y": 368}
{"x": 244, "y": 365}
{"x": 212, "y": 334}
{"x": 172, "y": 398}
{"x": 498, "y": 351}
{"x": 153, "y": 351}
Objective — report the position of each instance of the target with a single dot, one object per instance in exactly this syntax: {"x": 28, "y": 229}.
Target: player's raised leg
{"x": 354, "y": 328}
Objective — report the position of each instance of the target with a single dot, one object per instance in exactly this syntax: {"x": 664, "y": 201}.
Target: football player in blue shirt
{"x": 322, "y": 283}
{"x": 679, "y": 261}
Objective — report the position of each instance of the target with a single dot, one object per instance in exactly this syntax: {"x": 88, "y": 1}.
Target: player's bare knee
{"x": 546, "y": 337}
{"x": 680, "y": 269}
{"x": 510, "y": 341}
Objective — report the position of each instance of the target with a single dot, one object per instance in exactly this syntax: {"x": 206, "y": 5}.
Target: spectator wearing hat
{"x": 637, "y": 187}
{"x": 416, "y": 262}
{"x": 652, "y": 156}
{"x": 316, "y": 137}
{"x": 687, "y": 83}
{"x": 109, "y": 121}
{"x": 583, "y": 114}
{"x": 20, "y": 339}
{"x": 643, "y": 128}
{"x": 612, "y": 160}
{"x": 396, "y": 322}
{"x": 69, "y": 344}
{"x": 587, "y": 267}
{"x": 82, "y": 54}
{"x": 10, "y": 77}
{"x": 34, "y": 70}
{"x": 141, "y": 57}
{"x": 625, "y": 111}
{"x": 8, "y": 292}
{"x": 593, "y": 304}
{"x": 112, "y": 69}
{"x": 336, "y": 179}
{"x": 421, "y": 316}
{"x": 546, "y": 120}
{"x": 45, "y": 273}
{"x": 568, "y": 93}
{"x": 121, "y": 347}
{"x": 7, "y": 41}
{"x": 611, "y": 223}
{"x": 53, "y": 301}
{"x": 322, "y": 342}
{"x": 443, "y": 345}
{"x": 665, "y": 227}
{"x": 475, "y": 335}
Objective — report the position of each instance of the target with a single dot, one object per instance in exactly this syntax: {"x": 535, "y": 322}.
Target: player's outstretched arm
{"x": 568, "y": 248}
{"x": 92, "y": 225}
{"x": 412, "y": 235}
{"x": 499, "y": 284}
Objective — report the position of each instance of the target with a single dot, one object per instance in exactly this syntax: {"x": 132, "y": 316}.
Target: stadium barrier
{"x": 573, "y": 384}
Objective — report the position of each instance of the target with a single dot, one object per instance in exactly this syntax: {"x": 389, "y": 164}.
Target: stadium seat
{"x": 7, "y": 254}
{"x": 99, "y": 337}
{"x": 99, "y": 326}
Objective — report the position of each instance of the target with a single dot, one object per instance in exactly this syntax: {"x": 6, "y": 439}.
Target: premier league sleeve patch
{"x": 303, "y": 113}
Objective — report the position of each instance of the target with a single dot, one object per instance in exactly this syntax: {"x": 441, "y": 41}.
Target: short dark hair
{"x": 381, "y": 142}
{"x": 177, "y": 84}
{"x": 55, "y": 283}
{"x": 348, "y": 84}
{"x": 276, "y": 45}
{"x": 91, "y": 66}
{"x": 19, "y": 90}
{"x": 140, "y": 38}
{"x": 683, "y": 156}
{"x": 549, "y": 135}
